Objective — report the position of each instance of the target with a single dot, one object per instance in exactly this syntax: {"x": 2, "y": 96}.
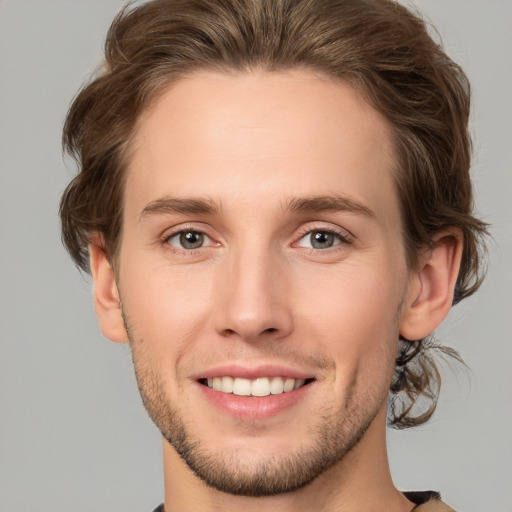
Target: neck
{"x": 360, "y": 482}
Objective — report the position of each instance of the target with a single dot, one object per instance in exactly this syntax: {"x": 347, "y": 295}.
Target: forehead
{"x": 260, "y": 135}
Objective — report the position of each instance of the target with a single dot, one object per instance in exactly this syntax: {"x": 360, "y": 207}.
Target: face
{"x": 262, "y": 274}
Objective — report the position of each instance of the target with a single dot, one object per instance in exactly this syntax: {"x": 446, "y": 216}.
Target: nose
{"x": 253, "y": 301}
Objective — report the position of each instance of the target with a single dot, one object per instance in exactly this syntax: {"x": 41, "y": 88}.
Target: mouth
{"x": 259, "y": 387}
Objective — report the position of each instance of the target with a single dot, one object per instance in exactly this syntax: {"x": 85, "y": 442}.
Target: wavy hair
{"x": 380, "y": 47}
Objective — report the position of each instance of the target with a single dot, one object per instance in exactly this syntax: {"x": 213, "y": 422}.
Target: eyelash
{"x": 180, "y": 250}
{"x": 344, "y": 237}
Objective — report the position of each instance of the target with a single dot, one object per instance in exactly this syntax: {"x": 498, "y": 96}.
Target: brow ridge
{"x": 332, "y": 203}
{"x": 168, "y": 204}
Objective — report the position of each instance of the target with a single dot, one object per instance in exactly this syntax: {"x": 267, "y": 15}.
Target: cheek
{"x": 167, "y": 311}
{"x": 353, "y": 315}
{"x": 351, "y": 300}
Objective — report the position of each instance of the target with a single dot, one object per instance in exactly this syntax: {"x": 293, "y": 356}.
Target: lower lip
{"x": 253, "y": 407}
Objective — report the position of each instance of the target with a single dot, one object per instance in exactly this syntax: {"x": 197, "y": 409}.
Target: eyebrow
{"x": 328, "y": 203}
{"x": 324, "y": 203}
{"x": 167, "y": 205}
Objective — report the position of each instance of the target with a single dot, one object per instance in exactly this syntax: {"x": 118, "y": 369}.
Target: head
{"x": 376, "y": 51}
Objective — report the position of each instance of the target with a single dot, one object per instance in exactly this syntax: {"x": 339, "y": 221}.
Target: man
{"x": 275, "y": 205}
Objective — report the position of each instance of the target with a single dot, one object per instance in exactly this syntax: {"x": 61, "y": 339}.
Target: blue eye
{"x": 189, "y": 240}
{"x": 320, "y": 239}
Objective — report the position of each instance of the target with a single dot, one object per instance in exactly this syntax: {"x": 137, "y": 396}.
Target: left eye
{"x": 189, "y": 240}
{"x": 320, "y": 240}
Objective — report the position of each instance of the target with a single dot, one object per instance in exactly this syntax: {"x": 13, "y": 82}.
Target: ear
{"x": 431, "y": 287}
{"x": 106, "y": 295}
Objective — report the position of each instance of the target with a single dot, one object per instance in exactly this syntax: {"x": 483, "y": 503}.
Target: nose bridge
{"x": 252, "y": 293}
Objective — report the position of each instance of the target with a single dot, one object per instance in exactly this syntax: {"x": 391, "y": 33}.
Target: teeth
{"x": 288, "y": 384}
{"x": 299, "y": 383}
{"x": 241, "y": 387}
{"x": 262, "y": 386}
{"x": 276, "y": 386}
{"x": 227, "y": 384}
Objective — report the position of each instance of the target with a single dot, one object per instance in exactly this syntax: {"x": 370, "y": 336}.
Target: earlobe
{"x": 106, "y": 296}
{"x": 432, "y": 286}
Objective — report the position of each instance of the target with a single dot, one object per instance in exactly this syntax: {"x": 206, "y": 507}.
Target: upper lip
{"x": 252, "y": 372}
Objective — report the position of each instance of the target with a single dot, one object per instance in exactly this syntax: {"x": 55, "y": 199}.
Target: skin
{"x": 252, "y": 150}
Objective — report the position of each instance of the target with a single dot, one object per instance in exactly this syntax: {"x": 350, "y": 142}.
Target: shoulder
{"x": 427, "y": 501}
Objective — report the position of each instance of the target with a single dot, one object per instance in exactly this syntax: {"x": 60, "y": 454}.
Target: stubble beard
{"x": 235, "y": 474}
{"x": 329, "y": 443}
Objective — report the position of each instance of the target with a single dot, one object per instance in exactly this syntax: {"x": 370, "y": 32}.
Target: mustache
{"x": 242, "y": 352}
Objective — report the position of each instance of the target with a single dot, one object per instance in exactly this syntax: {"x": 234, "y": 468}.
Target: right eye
{"x": 320, "y": 239}
{"x": 188, "y": 240}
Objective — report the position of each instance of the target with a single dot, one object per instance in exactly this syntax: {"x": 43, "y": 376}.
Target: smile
{"x": 262, "y": 386}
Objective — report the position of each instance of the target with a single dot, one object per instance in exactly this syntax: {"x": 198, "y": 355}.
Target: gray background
{"x": 73, "y": 434}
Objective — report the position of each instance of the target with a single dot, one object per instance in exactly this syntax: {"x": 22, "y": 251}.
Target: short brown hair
{"x": 378, "y": 46}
